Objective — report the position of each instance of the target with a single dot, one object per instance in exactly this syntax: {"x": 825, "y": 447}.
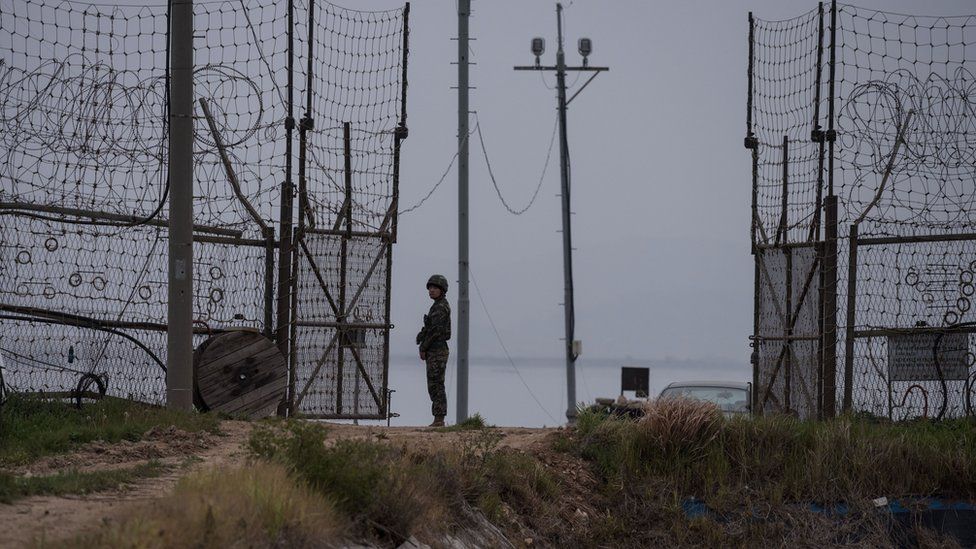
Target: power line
{"x": 494, "y": 182}
{"x": 498, "y": 336}
{"x": 439, "y": 181}
{"x": 491, "y": 174}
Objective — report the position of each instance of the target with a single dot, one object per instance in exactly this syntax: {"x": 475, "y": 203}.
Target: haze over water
{"x": 500, "y": 396}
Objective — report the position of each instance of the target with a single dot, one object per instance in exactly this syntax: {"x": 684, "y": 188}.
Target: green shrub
{"x": 393, "y": 494}
{"x": 373, "y": 484}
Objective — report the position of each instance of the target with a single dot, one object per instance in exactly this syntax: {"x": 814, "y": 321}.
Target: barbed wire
{"x": 83, "y": 162}
{"x": 910, "y": 264}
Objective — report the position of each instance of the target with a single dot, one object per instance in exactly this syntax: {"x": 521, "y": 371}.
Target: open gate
{"x": 342, "y": 314}
{"x": 795, "y": 287}
{"x": 336, "y": 301}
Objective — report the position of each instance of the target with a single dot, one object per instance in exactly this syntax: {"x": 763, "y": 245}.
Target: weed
{"x": 73, "y": 482}
{"x": 392, "y": 494}
{"x": 258, "y": 506}
{"x": 373, "y": 484}
{"x": 563, "y": 443}
{"x": 475, "y": 447}
{"x": 472, "y": 423}
{"x": 587, "y": 420}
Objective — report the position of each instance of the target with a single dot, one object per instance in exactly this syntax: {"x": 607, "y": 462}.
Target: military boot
{"x": 438, "y": 421}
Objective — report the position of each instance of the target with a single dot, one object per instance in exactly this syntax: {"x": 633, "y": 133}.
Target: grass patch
{"x": 31, "y": 428}
{"x": 770, "y": 466}
{"x": 563, "y": 442}
{"x": 472, "y": 423}
{"x": 13, "y": 487}
{"x": 389, "y": 493}
{"x": 376, "y": 486}
{"x": 260, "y": 505}
{"x": 698, "y": 451}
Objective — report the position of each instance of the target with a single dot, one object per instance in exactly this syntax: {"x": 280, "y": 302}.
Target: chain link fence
{"x": 83, "y": 182}
{"x": 860, "y": 125}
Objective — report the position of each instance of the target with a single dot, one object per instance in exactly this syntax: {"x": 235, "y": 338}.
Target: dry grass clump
{"x": 256, "y": 506}
{"x": 680, "y": 425}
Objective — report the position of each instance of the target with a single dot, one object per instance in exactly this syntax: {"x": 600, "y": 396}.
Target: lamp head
{"x": 538, "y": 48}
{"x": 585, "y": 47}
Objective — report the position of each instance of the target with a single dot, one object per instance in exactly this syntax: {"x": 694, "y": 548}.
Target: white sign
{"x": 911, "y": 357}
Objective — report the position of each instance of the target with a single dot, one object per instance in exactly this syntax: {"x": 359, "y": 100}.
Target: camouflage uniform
{"x": 432, "y": 340}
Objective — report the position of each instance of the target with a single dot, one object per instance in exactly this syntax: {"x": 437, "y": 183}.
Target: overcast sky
{"x": 661, "y": 184}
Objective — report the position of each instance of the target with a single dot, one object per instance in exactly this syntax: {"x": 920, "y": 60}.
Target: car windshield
{"x": 729, "y": 399}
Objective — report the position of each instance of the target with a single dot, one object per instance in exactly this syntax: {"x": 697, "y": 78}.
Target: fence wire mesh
{"x": 345, "y": 245}
{"x": 83, "y": 182}
{"x": 905, "y": 246}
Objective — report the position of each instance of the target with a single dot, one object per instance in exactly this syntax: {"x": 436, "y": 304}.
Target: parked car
{"x": 731, "y": 397}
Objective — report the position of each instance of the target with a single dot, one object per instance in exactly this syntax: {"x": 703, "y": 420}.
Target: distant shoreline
{"x": 709, "y": 363}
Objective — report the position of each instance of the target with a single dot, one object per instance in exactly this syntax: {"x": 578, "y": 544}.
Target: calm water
{"x": 533, "y": 394}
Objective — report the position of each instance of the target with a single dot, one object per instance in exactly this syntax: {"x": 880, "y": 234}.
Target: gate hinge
{"x": 289, "y": 123}
{"x": 751, "y": 142}
{"x": 307, "y": 123}
{"x": 817, "y": 135}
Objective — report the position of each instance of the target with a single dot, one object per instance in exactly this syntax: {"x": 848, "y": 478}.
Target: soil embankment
{"x": 51, "y": 518}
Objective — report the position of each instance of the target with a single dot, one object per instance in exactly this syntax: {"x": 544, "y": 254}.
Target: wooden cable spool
{"x": 240, "y": 373}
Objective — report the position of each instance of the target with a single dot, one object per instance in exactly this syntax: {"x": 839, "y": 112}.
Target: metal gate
{"x": 786, "y": 344}
{"x": 335, "y": 298}
{"x": 794, "y": 218}
{"x": 342, "y": 313}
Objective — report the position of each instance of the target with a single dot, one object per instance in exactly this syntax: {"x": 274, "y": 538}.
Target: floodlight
{"x": 538, "y": 46}
{"x": 585, "y": 46}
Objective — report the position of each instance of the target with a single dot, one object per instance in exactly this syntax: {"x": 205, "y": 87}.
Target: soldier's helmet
{"x": 439, "y": 281}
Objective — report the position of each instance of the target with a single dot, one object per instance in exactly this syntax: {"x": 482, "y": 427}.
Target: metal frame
{"x": 823, "y": 269}
{"x": 826, "y": 244}
{"x": 305, "y": 260}
{"x": 853, "y": 334}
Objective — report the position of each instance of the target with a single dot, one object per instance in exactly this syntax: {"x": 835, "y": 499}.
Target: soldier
{"x": 432, "y": 340}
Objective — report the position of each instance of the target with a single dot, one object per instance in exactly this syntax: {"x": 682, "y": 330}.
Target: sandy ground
{"x": 57, "y": 518}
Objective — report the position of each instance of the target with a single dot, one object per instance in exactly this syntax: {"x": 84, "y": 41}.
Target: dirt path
{"x": 53, "y": 518}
